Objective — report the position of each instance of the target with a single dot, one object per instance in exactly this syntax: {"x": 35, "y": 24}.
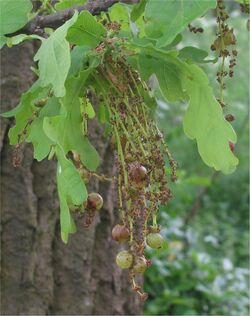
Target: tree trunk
{"x": 39, "y": 274}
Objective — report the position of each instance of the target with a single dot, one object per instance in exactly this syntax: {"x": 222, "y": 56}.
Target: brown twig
{"x": 37, "y": 24}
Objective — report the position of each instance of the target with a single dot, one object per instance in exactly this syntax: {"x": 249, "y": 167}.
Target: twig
{"x": 37, "y": 24}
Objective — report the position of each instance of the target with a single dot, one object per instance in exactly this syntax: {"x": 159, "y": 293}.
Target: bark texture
{"x": 39, "y": 274}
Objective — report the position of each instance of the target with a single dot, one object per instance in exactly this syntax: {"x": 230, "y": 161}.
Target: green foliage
{"x": 24, "y": 111}
{"x": 186, "y": 280}
{"x": 14, "y": 15}
{"x": 66, "y": 129}
{"x": 54, "y": 59}
{"x": 204, "y": 121}
{"x": 15, "y": 40}
{"x": 86, "y": 31}
{"x": 204, "y": 267}
{"x": 166, "y": 19}
{"x": 71, "y": 190}
{"x": 194, "y": 54}
{"x": 64, "y": 4}
{"x": 41, "y": 142}
{"x": 138, "y": 10}
{"x": 119, "y": 12}
{"x": 167, "y": 73}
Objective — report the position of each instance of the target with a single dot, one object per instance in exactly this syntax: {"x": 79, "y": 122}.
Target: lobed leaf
{"x": 167, "y": 73}
{"x": 15, "y": 40}
{"x": 54, "y": 59}
{"x": 164, "y": 65}
{"x": 86, "y": 31}
{"x": 41, "y": 142}
{"x": 71, "y": 190}
{"x": 14, "y": 14}
{"x": 190, "y": 53}
{"x": 138, "y": 10}
{"x": 119, "y": 12}
{"x": 66, "y": 128}
{"x": 204, "y": 121}
{"x": 24, "y": 111}
{"x": 173, "y": 16}
{"x": 79, "y": 59}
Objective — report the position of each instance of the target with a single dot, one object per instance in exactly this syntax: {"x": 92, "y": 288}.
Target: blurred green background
{"x": 204, "y": 266}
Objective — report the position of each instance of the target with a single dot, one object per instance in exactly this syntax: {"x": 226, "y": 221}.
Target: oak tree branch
{"x": 37, "y": 24}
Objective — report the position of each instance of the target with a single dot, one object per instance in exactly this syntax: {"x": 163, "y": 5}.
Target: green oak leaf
{"x": 79, "y": 59}
{"x": 64, "y": 4}
{"x": 24, "y": 111}
{"x": 41, "y": 142}
{"x": 195, "y": 54}
{"x": 15, "y": 40}
{"x": 119, "y": 12}
{"x": 163, "y": 64}
{"x": 204, "y": 121}
{"x": 137, "y": 10}
{"x": 14, "y": 14}
{"x": 166, "y": 18}
{"x": 71, "y": 190}
{"x": 168, "y": 76}
{"x": 66, "y": 128}
{"x": 86, "y": 31}
{"x": 54, "y": 59}
{"x": 175, "y": 42}
{"x": 83, "y": 57}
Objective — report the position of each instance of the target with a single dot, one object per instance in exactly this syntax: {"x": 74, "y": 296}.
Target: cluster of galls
{"x": 137, "y": 264}
{"x": 141, "y": 179}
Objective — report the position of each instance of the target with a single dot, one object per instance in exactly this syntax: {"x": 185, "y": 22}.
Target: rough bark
{"x": 39, "y": 274}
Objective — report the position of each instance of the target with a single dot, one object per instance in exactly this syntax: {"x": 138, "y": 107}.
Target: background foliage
{"x": 204, "y": 268}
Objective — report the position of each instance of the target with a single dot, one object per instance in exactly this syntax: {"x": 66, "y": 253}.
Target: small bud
{"x": 229, "y": 117}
